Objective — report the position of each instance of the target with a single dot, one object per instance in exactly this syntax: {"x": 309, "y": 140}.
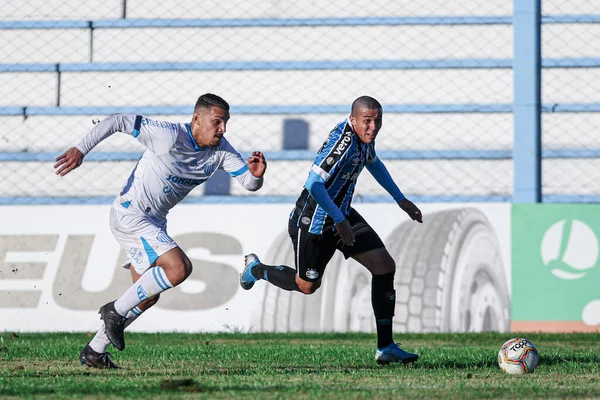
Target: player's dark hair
{"x": 366, "y": 102}
{"x": 209, "y": 100}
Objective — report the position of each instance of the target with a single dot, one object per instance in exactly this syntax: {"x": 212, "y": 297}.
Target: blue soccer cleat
{"x": 246, "y": 278}
{"x": 393, "y": 353}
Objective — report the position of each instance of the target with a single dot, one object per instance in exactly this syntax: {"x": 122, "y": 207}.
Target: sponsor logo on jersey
{"x": 312, "y": 274}
{"x": 184, "y": 181}
{"x": 330, "y": 160}
{"x": 343, "y": 143}
{"x": 349, "y": 176}
{"x": 160, "y": 124}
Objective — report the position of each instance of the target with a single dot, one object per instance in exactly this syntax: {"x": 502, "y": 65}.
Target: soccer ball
{"x": 518, "y": 356}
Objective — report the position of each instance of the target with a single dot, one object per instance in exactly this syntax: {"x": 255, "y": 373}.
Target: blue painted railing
{"x": 123, "y": 23}
{"x": 292, "y": 65}
{"x": 299, "y": 155}
{"x": 44, "y": 200}
{"x": 292, "y": 109}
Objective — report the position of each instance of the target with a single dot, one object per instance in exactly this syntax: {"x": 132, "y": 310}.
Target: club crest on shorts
{"x": 312, "y": 274}
{"x": 305, "y": 220}
{"x": 162, "y": 236}
{"x": 136, "y": 255}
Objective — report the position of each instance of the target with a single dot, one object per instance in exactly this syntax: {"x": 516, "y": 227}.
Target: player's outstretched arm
{"x": 257, "y": 165}
{"x": 413, "y": 211}
{"x": 383, "y": 177}
{"x": 68, "y": 161}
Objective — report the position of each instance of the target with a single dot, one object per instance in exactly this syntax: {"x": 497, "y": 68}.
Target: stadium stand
{"x": 445, "y": 80}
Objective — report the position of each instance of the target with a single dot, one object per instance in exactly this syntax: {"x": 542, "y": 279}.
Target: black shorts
{"x": 313, "y": 252}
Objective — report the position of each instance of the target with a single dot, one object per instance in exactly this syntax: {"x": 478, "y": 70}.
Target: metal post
{"x": 527, "y": 102}
{"x": 91, "y": 41}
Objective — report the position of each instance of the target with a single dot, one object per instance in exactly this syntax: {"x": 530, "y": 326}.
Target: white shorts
{"x": 143, "y": 238}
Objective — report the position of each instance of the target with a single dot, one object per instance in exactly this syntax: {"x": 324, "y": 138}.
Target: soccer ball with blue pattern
{"x": 518, "y": 356}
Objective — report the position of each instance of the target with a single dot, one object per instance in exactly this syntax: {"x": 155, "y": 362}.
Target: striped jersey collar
{"x": 350, "y": 123}
{"x": 196, "y": 147}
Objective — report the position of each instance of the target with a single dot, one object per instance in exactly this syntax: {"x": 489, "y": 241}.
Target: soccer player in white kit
{"x": 178, "y": 157}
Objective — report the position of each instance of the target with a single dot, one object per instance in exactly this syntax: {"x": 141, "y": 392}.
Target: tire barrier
{"x": 449, "y": 275}
{"x": 449, "y": 278}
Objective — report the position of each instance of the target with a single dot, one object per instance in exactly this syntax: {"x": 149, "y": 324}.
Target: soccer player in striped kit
{"x": 323, "y": 220}
{"x": 178, "y": 157}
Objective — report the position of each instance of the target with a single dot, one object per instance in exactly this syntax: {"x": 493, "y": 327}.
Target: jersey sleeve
{"x": 157, "y": 136}
{"x": 333, "y": 151}
{"x": 110, "y": 125}
{"x": 232, "y": 163}
{"x": 236, "y": 166}
{"x": 383, "y": 177}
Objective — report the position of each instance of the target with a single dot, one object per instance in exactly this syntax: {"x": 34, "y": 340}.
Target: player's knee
{"x": 179, "y": 271}
{"x": 187, "y": 268}
{"x": 387, "y": 264}
{"x": 308, "y": 287}
{"x": 390, "y": 265}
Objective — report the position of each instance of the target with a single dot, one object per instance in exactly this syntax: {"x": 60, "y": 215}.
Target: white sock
{"x": 100, "y": 342}
{"x": 152, "y": 282}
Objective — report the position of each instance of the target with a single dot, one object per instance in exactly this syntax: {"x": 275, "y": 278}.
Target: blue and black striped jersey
{"x": 339, "y": 162}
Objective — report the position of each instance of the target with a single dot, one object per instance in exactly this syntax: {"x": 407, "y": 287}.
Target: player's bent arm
{"x": 247, "y": 180}
{"x": 315, "y": 185}
{"x": 383, "y": 177}
{"x": 112, "y": 124}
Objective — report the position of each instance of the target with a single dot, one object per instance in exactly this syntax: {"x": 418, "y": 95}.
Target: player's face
{"x": 367, "y": 124}
{"x": 209, "y": 125}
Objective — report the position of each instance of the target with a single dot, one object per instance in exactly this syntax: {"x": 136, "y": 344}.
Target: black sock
{"x": 383, "y": 299}
{"x": 279, "y": 275}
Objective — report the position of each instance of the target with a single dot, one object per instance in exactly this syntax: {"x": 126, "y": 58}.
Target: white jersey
{"x": 172, "y": 165}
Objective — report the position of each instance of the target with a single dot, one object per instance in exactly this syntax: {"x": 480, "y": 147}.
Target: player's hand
{"x": 68, "y": 161}
{"x": 413, "y": 211}
{"x": 345, "y": 231}
{"x": 257, "y": 164}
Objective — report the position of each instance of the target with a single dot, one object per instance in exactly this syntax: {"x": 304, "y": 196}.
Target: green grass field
{"x": 295, "y": 366}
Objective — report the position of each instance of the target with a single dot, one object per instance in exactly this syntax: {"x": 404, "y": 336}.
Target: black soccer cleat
{"x": 93, "y": 359}
{"x": 114, "y": 325}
